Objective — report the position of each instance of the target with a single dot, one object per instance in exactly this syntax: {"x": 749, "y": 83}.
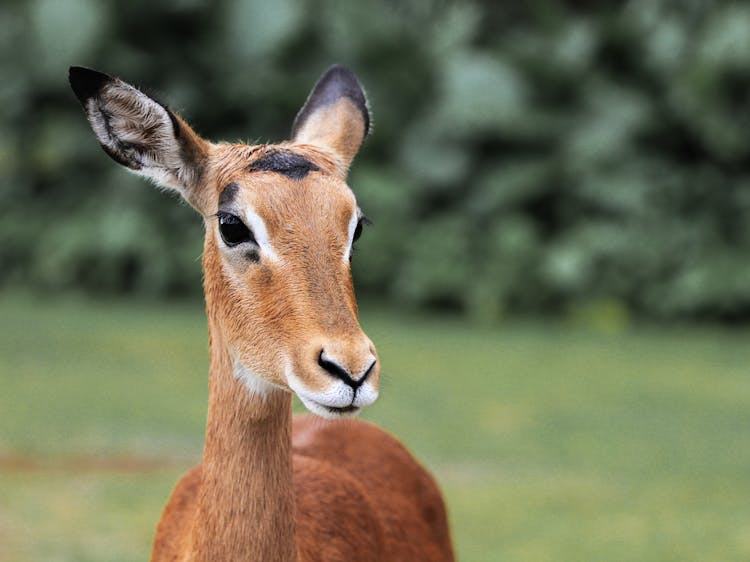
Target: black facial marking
{"x": 228, "y": 195}
{"x": 284, "y": 162}
{"x": 337, "y": 82}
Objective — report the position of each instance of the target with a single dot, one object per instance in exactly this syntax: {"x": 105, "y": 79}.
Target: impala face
{"x": 280, "y": 224}
{"x": 277, "y": 262}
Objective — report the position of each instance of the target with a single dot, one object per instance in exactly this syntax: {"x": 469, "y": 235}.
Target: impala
{"x": 280, "y": 222}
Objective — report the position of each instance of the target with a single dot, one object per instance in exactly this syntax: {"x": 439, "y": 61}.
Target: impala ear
{"x": 140, "y": 133}
{"x": 335, "y": 116}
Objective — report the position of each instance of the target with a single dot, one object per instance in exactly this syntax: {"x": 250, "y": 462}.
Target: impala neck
{"x": 246, "y": 504}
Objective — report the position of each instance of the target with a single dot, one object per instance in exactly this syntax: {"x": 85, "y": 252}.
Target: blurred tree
{"x": 526, "y": 157}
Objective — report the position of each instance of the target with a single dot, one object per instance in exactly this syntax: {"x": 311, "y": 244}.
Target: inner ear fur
{"x": 335, "y": 116}
{"x": 142, "y": 134}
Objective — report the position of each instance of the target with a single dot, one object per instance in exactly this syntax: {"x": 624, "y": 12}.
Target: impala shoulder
{"x": 347, "y": 440}
{"x": 173, "y": 530}
{"x": 331, "y": 503}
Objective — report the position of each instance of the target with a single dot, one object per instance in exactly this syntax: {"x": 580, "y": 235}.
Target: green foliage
{"x": 524, "y": 159}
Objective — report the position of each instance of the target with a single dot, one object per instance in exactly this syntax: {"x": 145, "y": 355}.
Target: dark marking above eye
{"x": 228, "y": 195}
{"x": 285, "y": 162}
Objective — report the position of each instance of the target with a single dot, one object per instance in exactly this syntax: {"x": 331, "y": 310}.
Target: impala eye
{"x": 363, "y": 220}
{"x": 233, "y": 231}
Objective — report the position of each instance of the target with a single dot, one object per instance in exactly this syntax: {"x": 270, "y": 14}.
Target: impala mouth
{"x": 328, "y": 411}
{"x": 327, "y": 408}
{"x": 351, "y": 409}
{"x": 332, "y": 412}
{"x": 336, "y": 401}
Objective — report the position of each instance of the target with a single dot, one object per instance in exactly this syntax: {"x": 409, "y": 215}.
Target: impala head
{"x": 280, "y": 223}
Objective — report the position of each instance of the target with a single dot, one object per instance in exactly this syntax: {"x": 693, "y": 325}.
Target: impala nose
{"x": 334, "y": 366}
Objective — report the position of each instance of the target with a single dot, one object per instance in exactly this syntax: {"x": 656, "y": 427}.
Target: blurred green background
{"x": 558, "y": 277}
{"x": 525, "y": 159}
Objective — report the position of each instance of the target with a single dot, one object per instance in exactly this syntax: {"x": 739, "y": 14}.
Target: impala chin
{"x": 338, "y": 400}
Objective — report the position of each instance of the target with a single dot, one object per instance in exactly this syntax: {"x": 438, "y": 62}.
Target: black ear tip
{"x": 338, "y": 81}
{"x": 335, "y": 83}
{"x": 86, "y": 82}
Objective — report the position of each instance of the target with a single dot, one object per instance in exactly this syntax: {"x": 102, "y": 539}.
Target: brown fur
{"x": 338, "y": 517}
{"x": 271, "y": 488}
{"x": 349, "y": 490}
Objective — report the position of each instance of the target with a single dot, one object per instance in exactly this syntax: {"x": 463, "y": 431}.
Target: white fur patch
{"x": 258, "y": 227}
{"x": 352, "y": 227}
{"x": 366, "y": 395}
{"x": 255, "y": 384}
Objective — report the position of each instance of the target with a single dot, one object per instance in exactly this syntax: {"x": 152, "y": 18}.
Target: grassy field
{"x": 552, "y": 442}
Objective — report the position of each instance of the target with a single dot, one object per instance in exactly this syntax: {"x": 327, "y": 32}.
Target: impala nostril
{"x": 336, "y": 370}
{"x": 332, "y": 368}
{"x": 368, "y": 371}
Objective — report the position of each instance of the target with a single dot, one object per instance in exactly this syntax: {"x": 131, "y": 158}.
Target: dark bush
{"x": 526, "y": 158}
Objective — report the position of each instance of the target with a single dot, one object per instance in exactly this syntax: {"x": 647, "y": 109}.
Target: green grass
{"x": 552, "y": 442}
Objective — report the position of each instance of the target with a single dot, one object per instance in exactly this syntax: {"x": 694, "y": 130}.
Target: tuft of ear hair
{"x": 335, "y": 116}
{"x": 140, "y": 133}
